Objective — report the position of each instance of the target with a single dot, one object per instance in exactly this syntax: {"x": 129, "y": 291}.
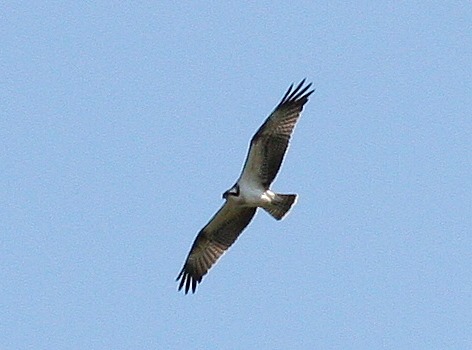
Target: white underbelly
{"x": 252, "y": 194}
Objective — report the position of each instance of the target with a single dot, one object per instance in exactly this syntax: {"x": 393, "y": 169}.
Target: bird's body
{"x": 251, "y": 190}
{"x": 251, "y": 194}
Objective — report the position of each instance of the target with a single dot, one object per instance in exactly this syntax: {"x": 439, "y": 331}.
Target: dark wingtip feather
{"x": 186, "y": 279}
{"x": 182, "y": 278}
{"x": 287, "y": 93}
{"x": 299, "y": 93}
{"x": 180, "y": 274}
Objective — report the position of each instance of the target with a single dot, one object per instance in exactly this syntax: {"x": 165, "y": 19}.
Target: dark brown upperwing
{"x": 269, "y": 144}
{"x": 212, "y": 241}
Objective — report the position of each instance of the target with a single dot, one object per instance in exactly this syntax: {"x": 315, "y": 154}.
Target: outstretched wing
{"x": 212, "y": 241}
{"x": 270, "y": 142}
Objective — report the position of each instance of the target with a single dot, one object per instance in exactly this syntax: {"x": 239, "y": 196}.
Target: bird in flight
{"x": 251, "y": 191}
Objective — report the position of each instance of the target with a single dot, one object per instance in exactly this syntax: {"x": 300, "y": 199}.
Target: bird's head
{"x": 233, "y": 191}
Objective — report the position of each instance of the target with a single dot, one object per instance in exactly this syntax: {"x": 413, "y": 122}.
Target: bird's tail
{"x": 280, "y": 205}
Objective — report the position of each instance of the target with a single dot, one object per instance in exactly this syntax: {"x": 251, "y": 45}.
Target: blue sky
{"x": 123, "y": 123}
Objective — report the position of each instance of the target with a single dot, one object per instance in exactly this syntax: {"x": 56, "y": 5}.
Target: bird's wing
{"x": 212, "y": 241}
{"x": 270, "y": 142}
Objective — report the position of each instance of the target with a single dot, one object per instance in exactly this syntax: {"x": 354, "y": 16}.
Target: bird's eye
{"x": 235, "y": 190}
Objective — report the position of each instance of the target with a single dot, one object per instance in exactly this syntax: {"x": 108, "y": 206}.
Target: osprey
{"x": 251, "y": 191}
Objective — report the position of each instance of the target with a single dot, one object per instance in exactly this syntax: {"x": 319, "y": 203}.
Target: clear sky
{"x": 123, "y": 123}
